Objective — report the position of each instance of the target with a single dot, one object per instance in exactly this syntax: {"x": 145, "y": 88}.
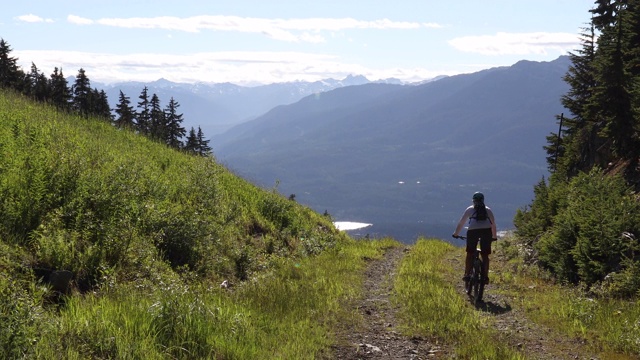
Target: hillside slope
{"x": 408, "y": 156}
{"x": 81, "y": 196}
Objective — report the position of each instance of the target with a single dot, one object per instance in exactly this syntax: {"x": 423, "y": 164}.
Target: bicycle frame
{"x": 475, "y": 285}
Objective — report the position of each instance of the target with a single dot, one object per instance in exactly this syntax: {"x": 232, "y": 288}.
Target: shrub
{"x": 586, "y": 242}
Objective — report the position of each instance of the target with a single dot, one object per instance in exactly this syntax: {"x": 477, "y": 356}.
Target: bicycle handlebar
{"x": 465, "y": 238}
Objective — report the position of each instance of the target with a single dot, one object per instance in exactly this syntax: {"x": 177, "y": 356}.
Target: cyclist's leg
{"x": 485, "y": 247}
{"x": 472, "y": 243}
{"x": 468, "y": 263}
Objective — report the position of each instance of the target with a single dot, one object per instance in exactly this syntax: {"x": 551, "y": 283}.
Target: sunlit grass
{"x": 430, "y": 305}
{"x": 146, "y": 230}
{"x": 287, "y": 313}
{"x": 610, "y": 327}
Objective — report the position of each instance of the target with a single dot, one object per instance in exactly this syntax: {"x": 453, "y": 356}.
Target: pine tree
{"x": 37, "y": 85}
{"x": 616, "y": 92}
{"x": 174, "y": 130}
{"x": 143, "y": 116}
{"x": 203, "y": 148}
{"x": 82, "y": 93}
{"x": 125, "y": 115}
{"x": 580, "y": 135}
{"x": 191, "y": 144}
{"x": 99, "y": 105}
{"x": 10, "y": 73}
{"x": 157, "y": 128}
{"x": 60, "y": 94}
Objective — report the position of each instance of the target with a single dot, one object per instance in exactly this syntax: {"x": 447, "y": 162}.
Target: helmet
{"x": 478, "y": 196}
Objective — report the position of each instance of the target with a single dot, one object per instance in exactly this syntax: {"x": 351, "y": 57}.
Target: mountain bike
{"x": 474, "y": 286}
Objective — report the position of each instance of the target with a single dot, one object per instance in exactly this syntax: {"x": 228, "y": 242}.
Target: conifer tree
{"x": 37, "y": 85}
{"x": 82, "y": 93}
{"x": 125, "y": 114}
{"x": 157, "y": 128}
{"x": 602, "y": 129}
{"x": 143, "y": 115}
{"x": 580, "y": 135}
{"x": 616, "y": 94}
{"x": 10, "y": 73}
{"x": 174, "y": 130}
{"x": 99, "y": 104}
{"x": 59, "y": 90}
{"x": 203, "y": 145}
{"x": 191, "y": 144}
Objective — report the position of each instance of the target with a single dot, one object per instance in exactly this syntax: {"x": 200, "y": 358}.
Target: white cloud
{"x": 79, "y": 20}
{"x": 278, "y": 29}
{"x": 538, "y": 43}
{"x": 228, "y": 66}
{"x": 30, "y": 18}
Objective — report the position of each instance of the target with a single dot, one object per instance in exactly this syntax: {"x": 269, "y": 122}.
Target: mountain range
{"x": 216, "y": 107}
{"x": 407, "y": 158}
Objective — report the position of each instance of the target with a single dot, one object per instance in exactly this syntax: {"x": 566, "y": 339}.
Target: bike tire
{"x": 478, "y": 283}
{"x": 480, "y": 291}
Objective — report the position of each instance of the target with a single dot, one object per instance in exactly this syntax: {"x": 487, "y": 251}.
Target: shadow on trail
{"x": 493, "y": 308}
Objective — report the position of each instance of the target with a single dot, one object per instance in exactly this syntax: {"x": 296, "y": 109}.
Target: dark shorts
{"x": 482, "y": 235}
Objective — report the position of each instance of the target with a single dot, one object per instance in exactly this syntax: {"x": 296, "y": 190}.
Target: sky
{"x": 250, "y": 42}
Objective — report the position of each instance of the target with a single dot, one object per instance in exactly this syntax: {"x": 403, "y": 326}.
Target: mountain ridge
{"x": 347, "y": 151}
{"x": 216, "y": 107}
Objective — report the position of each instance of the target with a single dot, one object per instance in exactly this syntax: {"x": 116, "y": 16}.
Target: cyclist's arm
{"x": 494, "y": 232}
{"x": 465, "y": 216}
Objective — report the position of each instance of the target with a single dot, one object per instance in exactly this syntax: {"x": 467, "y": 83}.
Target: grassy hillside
{"x": 145, "y": 235}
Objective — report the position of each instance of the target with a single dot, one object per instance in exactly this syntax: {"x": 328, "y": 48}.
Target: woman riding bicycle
{"x": 482, "y": 227}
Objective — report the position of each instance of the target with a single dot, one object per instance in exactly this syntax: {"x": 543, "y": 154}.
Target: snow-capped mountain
{"x": 216, "y": 107}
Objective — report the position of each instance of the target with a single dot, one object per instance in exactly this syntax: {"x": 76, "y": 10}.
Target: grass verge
{"x": 285, "y": 313}
{"x": 610, "y": 327}
{"x": 430, "y": 306}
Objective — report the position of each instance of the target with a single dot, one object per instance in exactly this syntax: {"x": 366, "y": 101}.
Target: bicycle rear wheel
{"x": 478, "y": 282}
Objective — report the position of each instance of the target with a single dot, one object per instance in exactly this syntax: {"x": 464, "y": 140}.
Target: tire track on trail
{"x": 377, "y": 337}
{"x": 505, "y": 316}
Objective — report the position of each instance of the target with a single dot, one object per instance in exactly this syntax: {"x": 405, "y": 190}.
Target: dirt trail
{"x": 378, "y": 337}
{"x": 536, "y": 341}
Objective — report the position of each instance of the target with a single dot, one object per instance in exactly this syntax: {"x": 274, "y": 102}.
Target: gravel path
{"x": 378, "y": 338}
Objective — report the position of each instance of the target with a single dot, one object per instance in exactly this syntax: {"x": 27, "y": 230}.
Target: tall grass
{"x": 286, "y": 313}
{"x": 79, "y": 194}
{"x": 610, "y": 325}
{"x": 430, "y": 305}
{"x": 148, "y": 233}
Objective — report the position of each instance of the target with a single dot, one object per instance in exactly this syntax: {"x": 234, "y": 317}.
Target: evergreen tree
{"x": 157, "y": 128}
{"x": 203, "y": 148}
{"x": 60, "y": 94}
{"x": 37, "y": 85}
{"x": 99, "y": 104}
{"x": 575, "y": 222}
{"x": 191, "y": 145}
{"x": 125, "y": 115}
{"x": 143, "y": 116}
{"x": 10, "y": 73}
{"x": 580, "y": 135}
{"x": 174, "y": 130}
{"x": 616, "y": 94}
{"x": 82, "y": 94}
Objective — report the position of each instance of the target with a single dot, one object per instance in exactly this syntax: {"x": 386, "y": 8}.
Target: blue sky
{"x": 249, "y": 42}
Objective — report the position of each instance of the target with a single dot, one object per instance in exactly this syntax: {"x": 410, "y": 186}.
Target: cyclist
{"x": 482, "y": 227}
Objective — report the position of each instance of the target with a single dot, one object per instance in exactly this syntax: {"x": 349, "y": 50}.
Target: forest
{"x": 149, "y": 118}
{"x": 583, "y": 222}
